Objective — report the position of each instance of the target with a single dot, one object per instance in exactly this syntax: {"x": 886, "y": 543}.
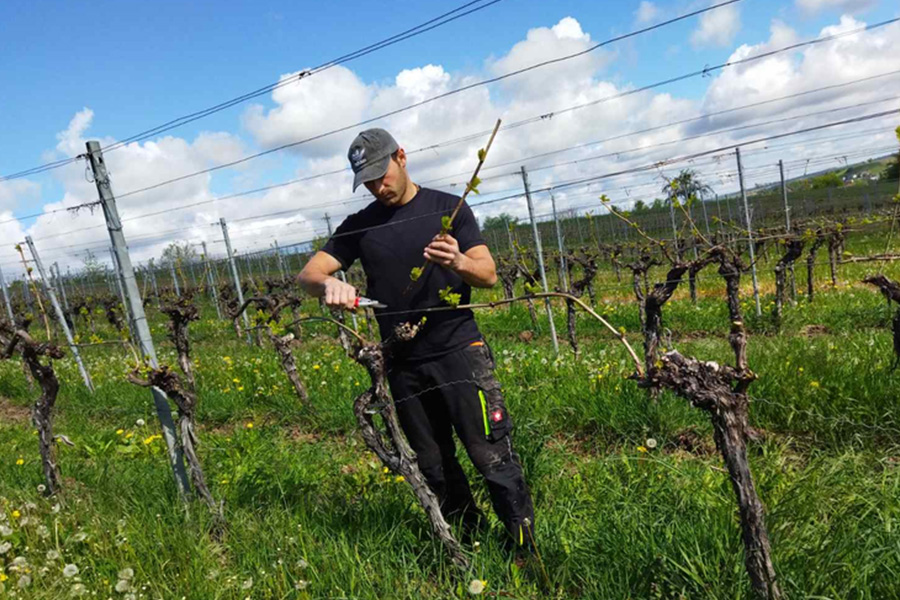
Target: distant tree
{"x": 639, "y": 206}
{"x": 175, "y": 252}
{"x": 657, "y": 204}
{"x": 91, "y": 264}
{"x": 686, "y": 188}
{"x": 501, "y": 221}
{"x": 828, "y": 180}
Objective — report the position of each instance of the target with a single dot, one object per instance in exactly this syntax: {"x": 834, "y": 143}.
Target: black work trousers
{"x": 458, "y": 391}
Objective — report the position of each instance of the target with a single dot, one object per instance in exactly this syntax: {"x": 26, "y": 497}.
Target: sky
{"x": 74, "y": 71}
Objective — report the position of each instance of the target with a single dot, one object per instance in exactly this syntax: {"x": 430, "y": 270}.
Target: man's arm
{"x": 475, "y": 265}
{"x": 316, "y": 278}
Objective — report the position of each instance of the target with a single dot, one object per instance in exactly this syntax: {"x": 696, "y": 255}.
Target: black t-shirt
{"x": 389, "y": 242}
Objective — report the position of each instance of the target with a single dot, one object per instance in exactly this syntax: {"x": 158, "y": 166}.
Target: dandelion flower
{"x": 399, "y": 479}
{"x": 16, "y": 514}
{"x": 476, "y": 586}
{"x": 120, "y": 431}
{"x": 126, "y": 573}
{"x": 3, "y": 577}
{"x": 122, "y": 586}
{"x": 316, "y": 367}
{"x": 814, "y": 384}
{"x": 140, "y": 423}
{"x": 249, "y": 425}
{"x": 20, "y": 462}
{"x": 650, "y": 443}
{"x": 70, "y": 571}
{"x": 641, "y": 449}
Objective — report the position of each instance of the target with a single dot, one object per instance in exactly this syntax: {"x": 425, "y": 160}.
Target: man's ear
{"x": 401, "y": 157}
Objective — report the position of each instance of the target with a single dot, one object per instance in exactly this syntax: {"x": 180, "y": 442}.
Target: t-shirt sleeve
{"x": 465, "y": 229}
{"x": 344, "y": 243}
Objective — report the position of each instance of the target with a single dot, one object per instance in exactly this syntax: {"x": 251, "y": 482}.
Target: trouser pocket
{"x": 495, "y": 418}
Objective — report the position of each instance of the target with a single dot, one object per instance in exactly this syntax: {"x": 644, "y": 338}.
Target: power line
{"x": 429, "y": 25}
{"x": 464, "y": 88}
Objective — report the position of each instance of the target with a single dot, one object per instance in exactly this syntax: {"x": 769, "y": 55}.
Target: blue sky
{"x": 137, "y": 64}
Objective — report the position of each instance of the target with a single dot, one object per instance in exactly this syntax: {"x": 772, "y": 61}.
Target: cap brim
{"x": 372, "y": 171}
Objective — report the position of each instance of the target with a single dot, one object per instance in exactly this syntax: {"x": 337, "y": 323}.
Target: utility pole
{"x": 9, "y": 311}
{"x": 563, "y": 272}
{"x": 234, "y": 273}
{"x": 48, "y": 289}
{"x": 540, "y": 258}
{"x": 737, "y": 152}
{"x": 341, "y": 274}
{"x": 114, "y": 225}
{"x": 211, "y": 282}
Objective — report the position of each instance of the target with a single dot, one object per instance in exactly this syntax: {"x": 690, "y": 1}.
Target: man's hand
{"x": 444, "y": 250}
{"x": 339, "y": 294}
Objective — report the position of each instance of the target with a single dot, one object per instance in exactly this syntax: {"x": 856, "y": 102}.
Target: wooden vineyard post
{"x": 145, "y": 341}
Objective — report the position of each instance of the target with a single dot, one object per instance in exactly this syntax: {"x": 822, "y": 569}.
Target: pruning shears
{"x": 362, "y": 302}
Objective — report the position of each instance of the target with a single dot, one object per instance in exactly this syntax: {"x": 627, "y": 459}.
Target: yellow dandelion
{"x": 399, "y": 479}
{"x": 20, "y": 462}
{"x": 814, "y": 384}
{"x": 249, "y": 425}
{"x": 641, "y": 449}
{"x": 316, "y": 367}
{"x": 385, "y": 470}
{"x": 16, "y": 514}
{"x": 120, "y": 431}
{"x": 3, "y": 577}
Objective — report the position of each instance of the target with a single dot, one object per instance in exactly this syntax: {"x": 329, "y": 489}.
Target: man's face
{"x": 391, "y": 188}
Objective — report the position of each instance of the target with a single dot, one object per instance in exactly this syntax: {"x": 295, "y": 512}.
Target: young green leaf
{"x": 447, "y": 295}
{"x": 415, "y": 273}
{"x": 446, "y": 226}
{"x": 482, "y": 154}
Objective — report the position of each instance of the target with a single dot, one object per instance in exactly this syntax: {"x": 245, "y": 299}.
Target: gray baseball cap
{"x": 370, "y": 155}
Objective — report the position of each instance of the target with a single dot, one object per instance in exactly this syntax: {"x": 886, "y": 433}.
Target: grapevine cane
{"x": 447, "y": 222}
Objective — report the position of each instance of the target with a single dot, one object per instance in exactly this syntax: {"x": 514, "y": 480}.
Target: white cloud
{"x": 339, "y": 97}
{"x": 717, "y": 27}
{"x": 15, "y": 192}
{"x": 646, "y": 12}
{"x": 328, "y": 100}
{"x": 846, "y": 6}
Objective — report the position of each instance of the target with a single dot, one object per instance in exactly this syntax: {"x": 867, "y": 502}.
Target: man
{"x": 442, "y": 380}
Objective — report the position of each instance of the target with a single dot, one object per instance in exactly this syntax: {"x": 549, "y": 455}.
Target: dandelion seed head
{"x": 476, "y": 586}
{"x": 70, "y": 570}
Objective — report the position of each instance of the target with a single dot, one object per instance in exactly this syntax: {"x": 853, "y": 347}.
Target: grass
{"x": 311, "y": 513}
